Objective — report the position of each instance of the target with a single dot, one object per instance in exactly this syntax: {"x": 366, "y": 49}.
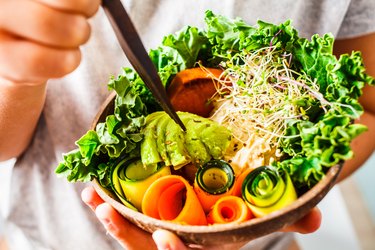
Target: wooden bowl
{"x": 223, "y": 233}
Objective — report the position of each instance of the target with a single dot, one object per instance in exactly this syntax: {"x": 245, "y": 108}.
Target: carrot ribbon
{"x": 237, "y": 188}
{"x": 229, "y": 209}
{"x": 172, "y": 198}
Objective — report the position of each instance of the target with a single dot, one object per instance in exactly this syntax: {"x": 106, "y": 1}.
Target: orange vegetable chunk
{"x": 207, "y": 200}
{"x": 229, "y": 209}
{"x": 237, "y": 189}
{"x": 172, "y": 198}
{"x": 169, "y": 210}
{"x": 191, "y": 89}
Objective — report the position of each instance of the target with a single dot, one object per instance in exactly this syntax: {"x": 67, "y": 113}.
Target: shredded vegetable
{"x": 297, "y": 98}
{"x": 256, "y": 97}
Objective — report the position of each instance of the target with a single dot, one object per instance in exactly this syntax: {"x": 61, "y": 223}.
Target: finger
{"x": 167, "y": 240}
{"x": 307, "y": 224}
{"x": 91, "y": 197}
{"x": 128, "y": 235}
{"x": 24, "y": 61}
{"x": 85, "y": 7}
{"x": 39, "y": 23}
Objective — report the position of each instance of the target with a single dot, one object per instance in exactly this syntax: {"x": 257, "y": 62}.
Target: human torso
{"x": 48, "y": 210}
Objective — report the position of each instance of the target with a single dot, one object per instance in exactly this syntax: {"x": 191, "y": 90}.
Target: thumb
{"x": 166, "y": 240}
{"x": 307, "y": 224}
{"x": 128, "y": 235}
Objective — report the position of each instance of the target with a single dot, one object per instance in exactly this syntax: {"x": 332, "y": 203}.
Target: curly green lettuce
{"x": 319, "y": 142}
{"x": 324, "y": 139}
{"x": 118, "y": 135}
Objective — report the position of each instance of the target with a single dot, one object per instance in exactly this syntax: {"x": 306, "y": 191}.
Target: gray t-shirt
{"x": 47, "y": 212}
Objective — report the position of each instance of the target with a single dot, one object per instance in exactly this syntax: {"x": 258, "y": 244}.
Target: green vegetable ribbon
{"x": 266, "y": 190}
{"x": 213, "y": 180}
{"x": 310, "y": 145}
{"x": 131, "y": 179}
{"x": 215, "y": 177}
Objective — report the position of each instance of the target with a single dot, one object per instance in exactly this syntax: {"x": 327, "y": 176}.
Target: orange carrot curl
{"x": 237, "y": 189}
{"x": 229, "y": 209}
{"x": 172, "y": 198}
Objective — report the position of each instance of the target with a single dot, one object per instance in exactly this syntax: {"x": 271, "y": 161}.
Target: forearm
{"x": 20, "y": 109}
{"x": 363, "y": 146}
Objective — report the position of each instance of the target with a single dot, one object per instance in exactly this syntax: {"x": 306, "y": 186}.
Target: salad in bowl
{"x": 269, "y": 119}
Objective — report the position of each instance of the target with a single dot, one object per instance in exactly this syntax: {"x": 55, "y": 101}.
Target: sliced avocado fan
{"x": 167, "y": 144}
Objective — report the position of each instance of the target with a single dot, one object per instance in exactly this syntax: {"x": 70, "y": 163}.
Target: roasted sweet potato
{"x": 191, "y": 89}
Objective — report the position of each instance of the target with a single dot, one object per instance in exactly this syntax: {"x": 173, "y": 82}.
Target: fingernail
{"x": 162, "y": 247}
{"x": 160, "y": 243}
{"x": 86, "y": 197}
{"x": 109, "y": 226}
{"x": 90, "y": 204}
{"x": 103, "y": 215}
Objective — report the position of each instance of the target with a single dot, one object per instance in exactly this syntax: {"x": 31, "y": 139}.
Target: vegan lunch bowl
{"x": 269, "y": 119}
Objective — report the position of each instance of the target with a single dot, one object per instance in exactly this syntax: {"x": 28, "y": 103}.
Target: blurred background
{"x": 348, "y": 212}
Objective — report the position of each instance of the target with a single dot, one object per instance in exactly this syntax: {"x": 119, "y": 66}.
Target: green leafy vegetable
{"x": 324, "y": 139}
{"x": 310, "y": 145}
{"x": 119, "y": 135}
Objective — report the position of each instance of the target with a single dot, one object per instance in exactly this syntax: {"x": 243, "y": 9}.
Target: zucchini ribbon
{"x": 131, "y": 179}
{"x": 213, "y": 180}
{"x": 266, "y": 190}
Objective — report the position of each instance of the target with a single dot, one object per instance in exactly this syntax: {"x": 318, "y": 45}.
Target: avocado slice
{"x": 160, "y": 138}
{"x": 216, "y": 138}
{"x": 164, "y": 141}
{"x": 197, "y": 150}
{"x": 149, "y": 149}
{"x": 175, "y": 145}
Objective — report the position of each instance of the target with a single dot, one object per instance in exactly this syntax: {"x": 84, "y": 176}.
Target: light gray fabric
{"x": 46, "y": 212}
{"x": 359, "y": 19}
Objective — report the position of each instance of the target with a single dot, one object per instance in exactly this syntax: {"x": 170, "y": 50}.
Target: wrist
{"x": 11, "y": 83}
{"x": 20, "y": 107}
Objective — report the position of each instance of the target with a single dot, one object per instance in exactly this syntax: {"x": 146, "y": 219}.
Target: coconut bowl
{"x": 220, "y": 233}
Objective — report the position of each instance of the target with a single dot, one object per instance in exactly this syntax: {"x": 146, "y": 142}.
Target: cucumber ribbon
{"x": 266, "y": 190}
{"x": 131, "y": 179}
{"x": 213, "y": 180}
